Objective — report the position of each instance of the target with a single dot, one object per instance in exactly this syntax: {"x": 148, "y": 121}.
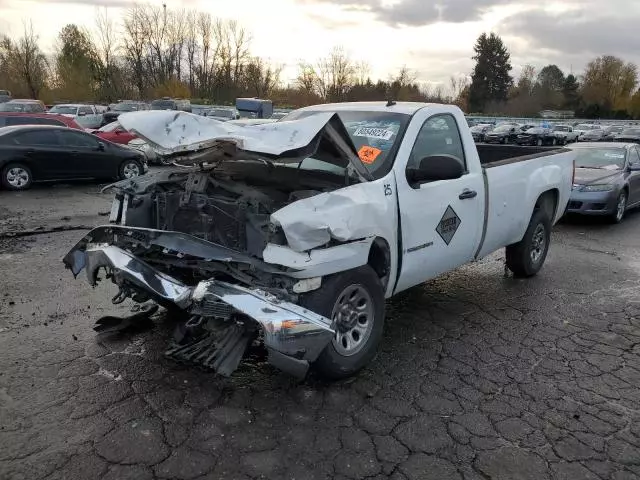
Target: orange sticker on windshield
{"x": 368, "y": 154}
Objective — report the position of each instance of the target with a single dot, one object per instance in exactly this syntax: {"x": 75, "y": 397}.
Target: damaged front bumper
{"x": 293, "y": 335}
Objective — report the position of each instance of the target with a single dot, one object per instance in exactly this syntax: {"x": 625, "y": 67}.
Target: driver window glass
{"x": 439, "y": 135}
{"x": 86, "y": 110}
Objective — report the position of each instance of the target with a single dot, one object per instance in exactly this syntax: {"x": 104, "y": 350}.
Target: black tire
{"x": 16, "y": 176}
{"x": 520, "y": 256}
{"x": 539, "y": 142}
{"x": 503, "y": 140}
{"x": 126, "y": 166}
{"x": 553, "y": 142}
{"x": 621, "y": 206}
{"x": 332, "y": 363}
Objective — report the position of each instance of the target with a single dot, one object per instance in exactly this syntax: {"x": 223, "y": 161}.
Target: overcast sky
{"x": 434, "y": 39}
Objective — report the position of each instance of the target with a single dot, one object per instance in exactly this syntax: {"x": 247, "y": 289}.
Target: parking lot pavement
{"x": 480, "y": 376}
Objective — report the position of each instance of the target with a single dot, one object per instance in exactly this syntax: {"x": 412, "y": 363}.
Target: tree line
{"x": 151, "y": 51}
{"x": 608, "y": 87}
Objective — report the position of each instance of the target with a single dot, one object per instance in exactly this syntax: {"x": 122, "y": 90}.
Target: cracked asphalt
{"x": 479, "y": 377}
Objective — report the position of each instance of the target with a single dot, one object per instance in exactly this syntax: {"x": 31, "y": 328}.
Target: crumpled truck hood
{"x": 170, "y": 132}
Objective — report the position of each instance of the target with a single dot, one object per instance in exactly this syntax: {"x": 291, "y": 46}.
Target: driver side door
{"x": 85, "y": 158}
{"x": 441, "y": 221}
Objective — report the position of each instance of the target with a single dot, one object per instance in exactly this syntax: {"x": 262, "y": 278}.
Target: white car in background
{"x": 582, "y": 128}
{"x": 86, "y": 116}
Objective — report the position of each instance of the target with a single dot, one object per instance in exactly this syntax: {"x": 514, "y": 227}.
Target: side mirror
{"x": 436, "y": 167}
{"x": 101, "y": 146}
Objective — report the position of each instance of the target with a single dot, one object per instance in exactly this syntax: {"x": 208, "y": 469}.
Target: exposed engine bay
{"x": 230, "y": 206}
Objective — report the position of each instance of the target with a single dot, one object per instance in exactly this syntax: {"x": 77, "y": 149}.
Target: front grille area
{"x": 574, "y": 205}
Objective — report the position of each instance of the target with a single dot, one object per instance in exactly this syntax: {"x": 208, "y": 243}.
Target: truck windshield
{"x": 375, "y": 135}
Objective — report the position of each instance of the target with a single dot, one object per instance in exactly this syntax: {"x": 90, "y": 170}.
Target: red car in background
{"x": 8, "y": 119}
{"x": 114, "y": 133}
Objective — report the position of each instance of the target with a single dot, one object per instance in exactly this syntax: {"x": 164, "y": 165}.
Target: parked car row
{"x": 31, "y": 153}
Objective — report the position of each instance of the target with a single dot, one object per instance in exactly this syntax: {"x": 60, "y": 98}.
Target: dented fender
{"x": 351, "y": 213}
{"x": 353, "y": 216}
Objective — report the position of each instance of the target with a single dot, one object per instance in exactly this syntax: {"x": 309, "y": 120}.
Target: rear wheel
{"x": 354, "y": 301}
{"x": 525, "y": 258}
{"x": 16, "y": 177}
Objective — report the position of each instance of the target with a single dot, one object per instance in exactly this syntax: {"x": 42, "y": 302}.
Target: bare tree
{"x": 261, "y": 78}
{"x": 458, "y": 85}
{"x": 361, "y": 72}
{"x": 335, "y": 75}
{"x": 191, "y": 47}
{"x": 24, "y": 61}
{"x": 307, "y": 78}
{"x": 205, "y": 34}
{"x": 135, "y": 42}
{"x": 106, "y": 46}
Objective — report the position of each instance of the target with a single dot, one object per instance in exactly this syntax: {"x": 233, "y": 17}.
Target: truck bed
{"x": 513, "y": 189}
{"x": 492, "y": 155}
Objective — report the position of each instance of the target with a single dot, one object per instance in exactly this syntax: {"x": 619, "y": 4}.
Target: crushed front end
{"x": 235, "y": 236}
{"x": 222, "y": 318}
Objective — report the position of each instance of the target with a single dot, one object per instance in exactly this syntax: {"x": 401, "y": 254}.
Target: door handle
{"x": 29, "y": 152}
{"x": 466, "y": 193}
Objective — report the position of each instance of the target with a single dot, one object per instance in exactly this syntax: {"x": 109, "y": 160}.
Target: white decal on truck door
{"x": 448, "y": 225}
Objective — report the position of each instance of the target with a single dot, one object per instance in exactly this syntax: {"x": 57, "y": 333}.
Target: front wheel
{"x": 621, "y": 207}
{"x": 525, "y": 258}
{"x": 16, "y": 177}
{"x": 354, "y": 301}
{"x": 130, "y": 169}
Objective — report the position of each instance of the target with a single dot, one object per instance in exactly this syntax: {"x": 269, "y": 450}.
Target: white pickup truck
{"x": 295, "y": 232}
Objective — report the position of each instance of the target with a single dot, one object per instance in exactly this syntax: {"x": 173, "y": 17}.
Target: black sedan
{"x": 629, "y": 135}
{"x": 479, "y": 131}
{"x": 506, "y": 133}
{"x": 537, "y": 136}
{"x": 31, "y": 153}
{"x": 607, "y": 179}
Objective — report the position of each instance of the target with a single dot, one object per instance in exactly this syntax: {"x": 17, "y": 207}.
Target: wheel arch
{"x": 548, "y": 201}
{"x": 380, "y": 259}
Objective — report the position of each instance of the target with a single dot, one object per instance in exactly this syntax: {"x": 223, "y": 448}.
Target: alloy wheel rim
{"x": 538, "y": 243}
{"x": 17, "y": 177}
{"x": 130, "y": 170}
{"x": 353, "y": 317}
